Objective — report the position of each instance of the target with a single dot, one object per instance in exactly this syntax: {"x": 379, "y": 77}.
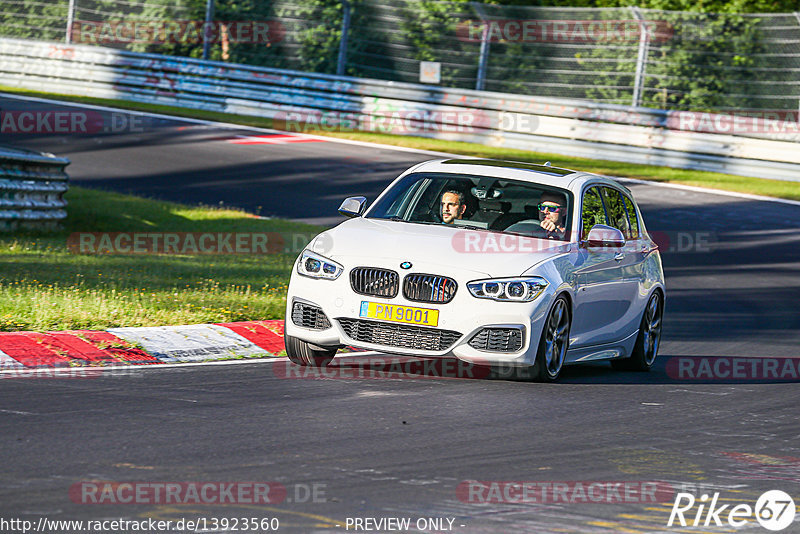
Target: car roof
{"x": 544, "y": 174}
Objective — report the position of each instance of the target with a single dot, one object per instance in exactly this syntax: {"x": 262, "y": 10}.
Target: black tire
{"x": 645, "y": 350}
{"x": 554, "y": 342}
{"x": 303, "y": 353}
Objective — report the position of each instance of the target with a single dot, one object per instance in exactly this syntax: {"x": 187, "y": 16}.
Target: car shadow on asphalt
{"x": 668, "y": 369}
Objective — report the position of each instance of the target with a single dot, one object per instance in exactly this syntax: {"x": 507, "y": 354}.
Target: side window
{"x": 591, "y": 211}
{"x": 615, "y": 207}
{"x": 632, "y": 218}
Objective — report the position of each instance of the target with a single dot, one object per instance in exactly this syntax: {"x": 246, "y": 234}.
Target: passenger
{"x": 551, "y": 215}
{"x": 453, "y": 206}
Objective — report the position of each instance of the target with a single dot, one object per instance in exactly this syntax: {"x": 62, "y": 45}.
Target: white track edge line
{"x": 720, "y": 192}
{"x": 55, "y": 371}
{"x": 112, "y": 368}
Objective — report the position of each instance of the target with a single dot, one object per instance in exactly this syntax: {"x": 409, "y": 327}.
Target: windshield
{"x": 478, "y": 202}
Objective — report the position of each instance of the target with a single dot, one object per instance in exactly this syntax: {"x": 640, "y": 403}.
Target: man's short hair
{"x": 459, "y": 194}
{"x": 548, "y": 196}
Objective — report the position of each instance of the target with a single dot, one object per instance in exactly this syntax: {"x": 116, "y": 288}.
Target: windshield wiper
{"x": 400, "y": 219}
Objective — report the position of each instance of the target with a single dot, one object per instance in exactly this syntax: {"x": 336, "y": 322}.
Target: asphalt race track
{"x": 710, "y": 418}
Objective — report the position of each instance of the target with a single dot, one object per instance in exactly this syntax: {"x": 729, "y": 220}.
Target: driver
{"x": 551, "y": 214}
{"x": 453, "y": 206}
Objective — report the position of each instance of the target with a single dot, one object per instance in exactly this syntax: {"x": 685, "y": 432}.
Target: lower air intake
{"x": 397, "y": 335}
{"x": 497, "y": 340}
{"x": 309, "y": 316}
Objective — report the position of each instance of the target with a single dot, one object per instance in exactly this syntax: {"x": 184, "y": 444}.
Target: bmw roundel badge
{"x": 405, "y": 265}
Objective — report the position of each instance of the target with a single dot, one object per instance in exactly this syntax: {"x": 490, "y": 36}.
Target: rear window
{"x": 616, "y": 211}
{"x": 632, "y": 217}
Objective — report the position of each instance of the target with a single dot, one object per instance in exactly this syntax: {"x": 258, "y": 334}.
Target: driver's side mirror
{"x": 353, "y": 206}
{"x": 604, "y": 237}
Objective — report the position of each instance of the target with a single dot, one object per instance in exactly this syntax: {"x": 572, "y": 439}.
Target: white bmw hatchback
{"x": 495, "y": 263}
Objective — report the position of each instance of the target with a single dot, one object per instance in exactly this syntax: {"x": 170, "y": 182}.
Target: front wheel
{"x": 553, "y": 343}
{"x": 304, "y": 353}
{"x": 646, "y": 348}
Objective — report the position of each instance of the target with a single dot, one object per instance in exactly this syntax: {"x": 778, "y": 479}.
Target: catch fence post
{"x": 641, "y": 58}
{"x": 342, "y": 59}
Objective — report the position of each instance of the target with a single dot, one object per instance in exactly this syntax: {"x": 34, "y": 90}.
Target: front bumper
{"x": 459, "y": 322}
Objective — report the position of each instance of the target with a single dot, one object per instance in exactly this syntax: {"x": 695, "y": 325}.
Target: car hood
{"x": 479, "y": 251}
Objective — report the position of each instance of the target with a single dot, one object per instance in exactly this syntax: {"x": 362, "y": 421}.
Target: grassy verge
{"x": 44, "y": 286}
{"x": 742, "y": 184}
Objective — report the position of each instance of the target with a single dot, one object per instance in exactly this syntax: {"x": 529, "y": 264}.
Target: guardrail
{"x": 32, "y": 187}
{"x": 762, "y": 147}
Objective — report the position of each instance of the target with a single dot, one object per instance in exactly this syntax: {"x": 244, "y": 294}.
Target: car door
{"x": 637, "y": 248}
{"x": 626, "y": 275}
{"x": 595, "y": 272}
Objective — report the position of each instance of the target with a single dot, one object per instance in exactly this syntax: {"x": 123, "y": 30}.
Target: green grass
{"x": 742, "y": 184}
{"x": 44, "y": 286}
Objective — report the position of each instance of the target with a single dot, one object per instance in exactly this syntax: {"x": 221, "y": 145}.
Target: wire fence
{"x": 748, "y": 63}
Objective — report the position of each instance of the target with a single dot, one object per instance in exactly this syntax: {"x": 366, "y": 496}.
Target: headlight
{"x": 508, "y": 289}
{"x": 317, "y": 266}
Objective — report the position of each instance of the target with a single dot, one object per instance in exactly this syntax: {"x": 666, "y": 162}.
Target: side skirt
{"x": 606, "y": 351}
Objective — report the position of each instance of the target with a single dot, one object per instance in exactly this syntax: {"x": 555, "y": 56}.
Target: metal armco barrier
{"x": 32, "y": 187}
{"x": 762, "y": 147}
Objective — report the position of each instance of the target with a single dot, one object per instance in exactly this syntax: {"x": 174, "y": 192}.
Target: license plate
{"x": 399, "y": 314}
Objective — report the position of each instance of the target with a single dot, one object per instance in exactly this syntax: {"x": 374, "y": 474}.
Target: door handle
{"x": 618, "y": 256}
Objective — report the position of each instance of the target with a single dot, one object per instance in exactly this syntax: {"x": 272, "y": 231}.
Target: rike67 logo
{"x": 774, "y": 510}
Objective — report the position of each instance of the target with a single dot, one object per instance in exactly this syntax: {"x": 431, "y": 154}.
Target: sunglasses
{"x": 547, "y": 207}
